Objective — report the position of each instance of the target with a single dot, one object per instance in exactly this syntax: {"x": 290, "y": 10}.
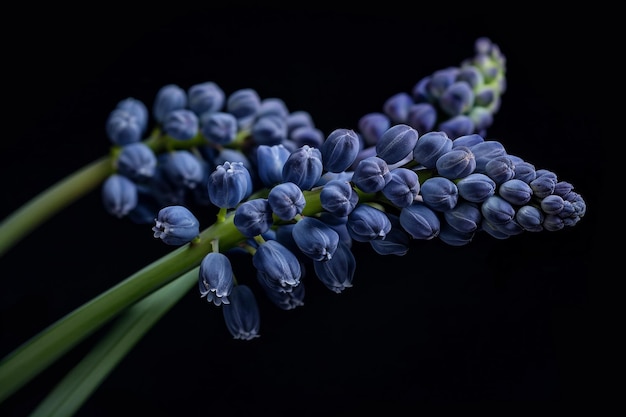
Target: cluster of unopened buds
{"x": 295, "y": 198}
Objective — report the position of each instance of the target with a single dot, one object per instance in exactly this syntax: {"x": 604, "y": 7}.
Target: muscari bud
{"x": 496, "y": 210}
{"x": 476, "y": 187}
{"x": 242, "y": 315}
{"x": 420, "y": 221}
{"x": 136, "y": 161}
{"x": 170, "y": 97}
{"x": 430, "y": 147}
{"x": 396, "y": 242}
{"x": 372, "y": 126}
{"x": 253, "y": 217}
{"x": 396, "y": 143}
{"x": 280, "y": 268}
{"x": 456, "y": 126}
{"x": 397, "y": 107}
{"x": 306, "y": 135}
{"x": 243, "y": 104}
{"x": 338, "y": 198}
{"x": 205, "y": 97}
{"x": 530, "y": 218}
{"x": 176, "y": 225}
{"x": 286, "y": 200}
{"x": 516, "y": 192}
{"x": 366, "y": 223}
{"x": 439, "y": 193}
{"x": 303, "y": 167}
{"x": 215, "y": 278}
{"x": 181, "y": 124}
{"x": 136, "y": 108}
{"x": 229, "y": 184}
{"x": 457, "y": 99}
{"x": 422, "y": 117}
{"x": 269, "y": 130}
{"x": 403, "y": 187}
{"x": 371, "y": 174}
{"x": 123, "y": 127}
{"x": 183, "y": 168}
{"x": 219, "y": 127}
{"x": 337, "y": 272}
{"x": 339, "y": 150}
{"x": 464, "y": 217}
{"x": 119, "y": 195}
{"x": 315, "y": 238}
{"x": 459, "y": 162}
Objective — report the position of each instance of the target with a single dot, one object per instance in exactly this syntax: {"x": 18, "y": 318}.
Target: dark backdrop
{"x": 495, "y": 322}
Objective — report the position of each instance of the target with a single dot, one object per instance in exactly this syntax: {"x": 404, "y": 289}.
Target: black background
{"x": 496, "y": 322}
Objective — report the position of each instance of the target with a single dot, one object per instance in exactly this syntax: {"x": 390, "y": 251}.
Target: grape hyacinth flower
{"x": 119, "y": 195}
{"x": 242, "y": 315}
{"x": 315, "y": 238}
{"x": 176, "y": 225}
{"x": 170, "y": 97}
{"x": 215, "y": 278}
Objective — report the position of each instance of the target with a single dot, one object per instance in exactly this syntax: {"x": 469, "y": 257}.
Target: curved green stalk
{"x": 39, "y": 209}
{"x": 28, "y": 360}
{"x": 78, "y": 385}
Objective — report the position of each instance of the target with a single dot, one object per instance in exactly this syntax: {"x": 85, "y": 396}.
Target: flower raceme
{"x": 418, "y": 170}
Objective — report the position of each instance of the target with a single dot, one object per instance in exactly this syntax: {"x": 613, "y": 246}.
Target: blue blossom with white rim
{"x": 119, "y": 195}
{"x": 337, "y": 273}
{"x": 282, "y": 299}
{"x": 315, "y": 238}
{"x": 277, "y": 265}
{"x": 176, "y": 225}
{"x": 215, "y": 278}
{"x": 242, "y": 315}
{"x": 396, "y": 242}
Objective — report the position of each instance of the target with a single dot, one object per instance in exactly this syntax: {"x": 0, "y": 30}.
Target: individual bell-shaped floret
{"x": 219, "y": 127}
{"x": 123, "y": 127}
{"x": 476, "y": 187}
{"x": 467, "y": 140}
{"x": 181, "y": 124}
{"x": 215, "y": 278}
{"x": 315, "y": 239}
{"x": 456, "y": 126}
{"x": 243, "y": 104}
{"x": 183, "y": 168}
{"x": 337, "y": 273}
{"x": 471, "y": 75}
{"x": 500, "y": 169}
{"x": 440, "y": 80}
{"x": 119, "y": 195}
{"x": 486, "y": 151}
{"x": 286, "y": 200}
{"x": 206, "y": 97}
{"x": 278, "y": 266}
{"x": 544, "y": 183}
{"x": 283, "y": 300}
{"x": 371, "y": 174}
{"x": 339, "y": 224}
{"x": 530, "y": 218}
{"x": 229, "y": 184}
{"x": 242, "y": 315}
{"x": 396, "y": 143}
{"x": 516, "y": 192}
{"x": 430, "y": 146}
{"x": 525, "y": 171}
{"x": 458, "y": 163}
{"x": 176, "y": 225}
{"x": 396, "y": 242}
{"x": 420, "y": 221}
{"x": 496, "y": 210}
{"x": 372, "y": 126}
{"x": 397, "y": 107}
{"x": 338, "y": 197}
{"x": 367, "y": 223}
{"x": 270, "y": 161}
{"x": 136, "y": 161}
{"x": 253, "y": 217}
{"x": 303, "y": 167}
{"x": 422, "y": 117}
{"x": 170, "y": 97}
{"x": 339, "y": 150}
{"x": 269, "y": 129}
{"x": 457, "y": 99}
{"x": 273, "y": 106}
{"x": 403, "y": 187}
{"x": 464, "y": 217}
{"x": 552, "y": 204}
{"x": 136, "y": 108}
{"x": 439, "y": 193}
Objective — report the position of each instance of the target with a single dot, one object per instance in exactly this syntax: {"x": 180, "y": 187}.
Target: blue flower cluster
{"x": 297, "y": 198}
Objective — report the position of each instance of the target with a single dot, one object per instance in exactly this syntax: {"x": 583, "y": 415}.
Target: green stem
{"x": 77, "y": 386}
{"x": 24, "y": 220}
